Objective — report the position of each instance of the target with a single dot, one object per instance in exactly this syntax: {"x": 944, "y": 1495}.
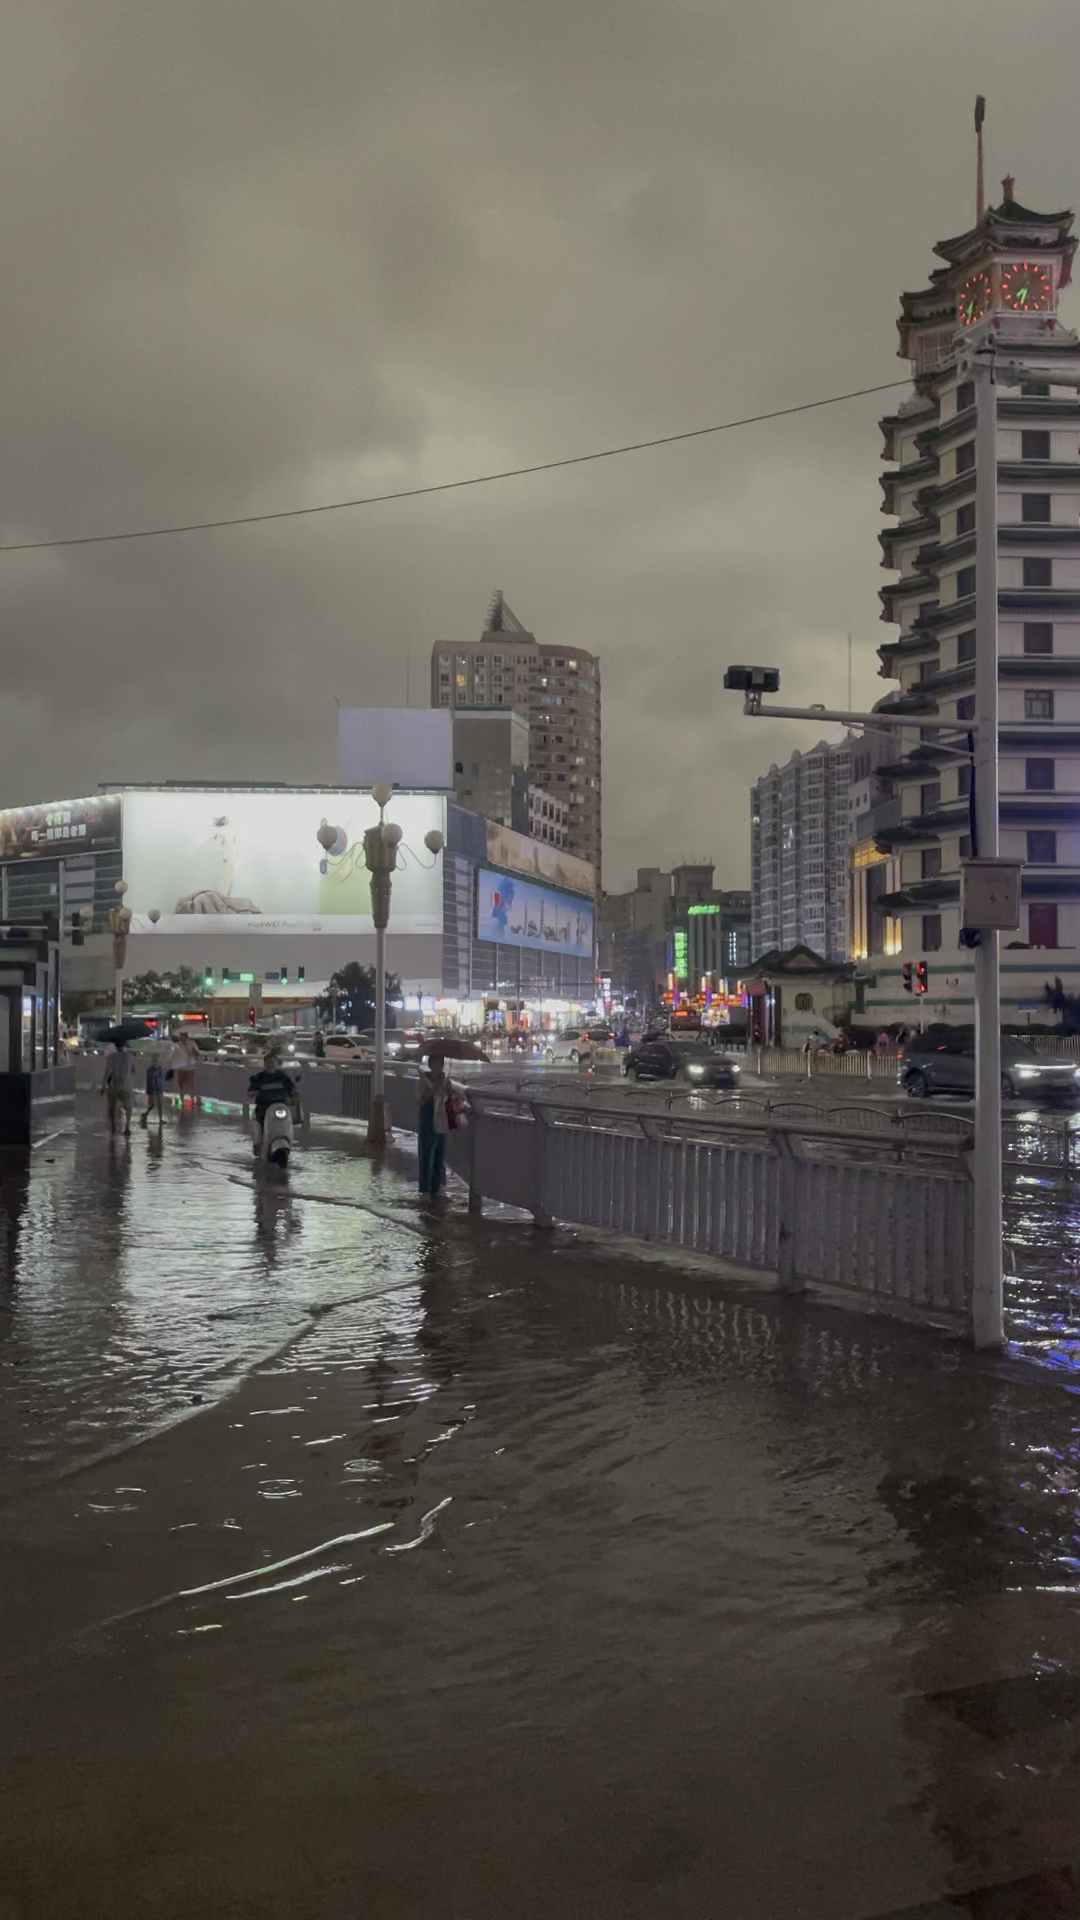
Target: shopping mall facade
{"x": 234, "y": 883}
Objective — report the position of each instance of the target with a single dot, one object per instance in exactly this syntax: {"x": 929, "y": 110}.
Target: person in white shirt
{"x": 118, "y": 1084}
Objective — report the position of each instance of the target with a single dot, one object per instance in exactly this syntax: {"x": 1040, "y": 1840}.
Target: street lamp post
{"x": 380, "y": 852}
{"x": 119, "y": 927}
{"x": 381, "y": 845}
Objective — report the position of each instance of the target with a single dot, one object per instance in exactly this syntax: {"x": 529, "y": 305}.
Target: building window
{"x": 1039, "y": 776}
{"x": 1035, "y": 445}
{"x": 965, "y": 457}
{"x": 965, "y": 708}
{"x": 926, "y": 610}
{"x": 965, "y": 846}
{"x": 965, "y": 583}
{"x": 965, "y": 520}
{"x": 963, "y": 782}
{"x": 1038, "y": 636}
{"x": 930, "y": 796}
{"x": 1042, "y": 849}
{"x": 1038, "y": 573}
{"x": 1042, "y": 926}
{"x": 1036, "y": 389}
{"x": 965, "y": 396}
{"x": 1038, "y": 705}
{"x": 931, "y": 863}
{"x": 1035, "y": 508}
{"x": 931, "y": 932}
{"x": 965, "y": 646}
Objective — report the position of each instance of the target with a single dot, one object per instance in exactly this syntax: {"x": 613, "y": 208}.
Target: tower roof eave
{"x": 1003, "y": 229}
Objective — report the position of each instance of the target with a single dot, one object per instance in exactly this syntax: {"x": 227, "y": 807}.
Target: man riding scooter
{"x": 271, "y": 1088}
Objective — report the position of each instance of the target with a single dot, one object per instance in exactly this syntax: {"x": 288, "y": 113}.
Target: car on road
{"x": 569, "y": 1047}
{"x": 666, "y": 1057}
{"x": 349, "y": 1046}
{"x": 942, "y": 1060}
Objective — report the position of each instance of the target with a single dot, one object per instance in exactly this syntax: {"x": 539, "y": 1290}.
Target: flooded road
{"x": 498, "y": 1572}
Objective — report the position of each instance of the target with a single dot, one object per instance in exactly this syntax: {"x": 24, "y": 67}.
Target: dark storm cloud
{"x": 262, "y": 254}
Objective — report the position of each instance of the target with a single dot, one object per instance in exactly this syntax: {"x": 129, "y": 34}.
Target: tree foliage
{"x": 351, "y": 997}
{"x": 164, "y": 989}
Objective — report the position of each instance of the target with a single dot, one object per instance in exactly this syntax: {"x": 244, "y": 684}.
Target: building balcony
{"x": 959, "y": 426}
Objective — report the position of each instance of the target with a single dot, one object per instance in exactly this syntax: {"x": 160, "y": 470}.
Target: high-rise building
{"x": 799, "y": 829}
{"x": 491, "y": 763}
{"x": 1003, "y": 276}
{"x": 558, "y": 689}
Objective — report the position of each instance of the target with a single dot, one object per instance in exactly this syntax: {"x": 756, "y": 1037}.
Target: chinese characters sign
{"x": 60, "y": 826}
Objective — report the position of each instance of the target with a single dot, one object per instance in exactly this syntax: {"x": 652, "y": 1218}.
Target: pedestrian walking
{"x": 433, "y": 1126}
{"x": 155, "y": 1089}
{"x": 117, "y": 1084}
{"x": 187, "y": 1059}
{"x": 320, "y": 1044}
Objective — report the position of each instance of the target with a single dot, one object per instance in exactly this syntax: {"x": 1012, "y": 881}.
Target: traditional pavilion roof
{"x": 1002, "y": 229}
{"x": 1007, "y": 228}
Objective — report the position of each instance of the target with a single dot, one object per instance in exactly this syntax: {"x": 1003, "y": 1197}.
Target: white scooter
{"x": 273, "y": 1141}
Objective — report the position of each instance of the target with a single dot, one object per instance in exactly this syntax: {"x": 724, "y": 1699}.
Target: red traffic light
{"x": 921, "y": 977}
{"x": 908, "y": 972}
{"x": 251, "y": 1016}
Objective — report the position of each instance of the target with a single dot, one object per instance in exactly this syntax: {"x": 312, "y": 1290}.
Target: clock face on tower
{"x": 973, "y": 300}
{"x": 1027, "y": 287}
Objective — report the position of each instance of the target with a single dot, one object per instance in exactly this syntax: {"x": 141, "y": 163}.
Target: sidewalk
{"x": 584, "y": 1588}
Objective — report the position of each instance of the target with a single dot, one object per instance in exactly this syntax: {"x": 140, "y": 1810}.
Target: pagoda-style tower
{"x": 1006, "y": 272}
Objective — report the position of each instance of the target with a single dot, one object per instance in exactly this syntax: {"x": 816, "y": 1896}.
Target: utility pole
{"x": 987, "y": 1304}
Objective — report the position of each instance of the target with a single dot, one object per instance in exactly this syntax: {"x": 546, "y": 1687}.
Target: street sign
{"x": 991, "y": 895}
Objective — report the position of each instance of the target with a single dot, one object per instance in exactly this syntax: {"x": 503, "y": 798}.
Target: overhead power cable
{"x": 444, "y": 486}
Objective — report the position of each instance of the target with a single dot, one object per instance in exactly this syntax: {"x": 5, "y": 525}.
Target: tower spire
{"x": 980, "y": 191}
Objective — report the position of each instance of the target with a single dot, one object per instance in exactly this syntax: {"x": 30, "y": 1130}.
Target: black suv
{"x": 942, "y": 1060}
{"x": 662, "y": 1058}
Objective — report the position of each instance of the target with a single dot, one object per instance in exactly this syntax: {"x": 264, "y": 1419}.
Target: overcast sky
{"x": 265, "y": 253}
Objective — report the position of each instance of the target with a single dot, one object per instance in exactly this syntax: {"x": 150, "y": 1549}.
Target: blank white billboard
{"x": 409, "y": 746}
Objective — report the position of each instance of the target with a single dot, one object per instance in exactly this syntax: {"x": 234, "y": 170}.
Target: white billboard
{"x": 247, "y": 862}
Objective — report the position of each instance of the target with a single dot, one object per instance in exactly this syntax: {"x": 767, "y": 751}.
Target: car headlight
{"x": 696, "y": 1073}
{"x": 1027, "y": 1073}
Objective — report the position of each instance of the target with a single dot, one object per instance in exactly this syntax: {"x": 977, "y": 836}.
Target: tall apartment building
{"x": 1001, "y": 279}
{"x": 558, "y": 689}
{"x": 799, "y": 829}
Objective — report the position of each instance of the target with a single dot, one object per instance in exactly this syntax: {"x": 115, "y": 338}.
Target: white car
{"x": 571, "y": 1046}
{"x": 347, "y": 1046}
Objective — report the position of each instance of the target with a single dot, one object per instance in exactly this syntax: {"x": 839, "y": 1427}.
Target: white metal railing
{"x": 885, "y": 1213}
{"x": 856, "y": 1064}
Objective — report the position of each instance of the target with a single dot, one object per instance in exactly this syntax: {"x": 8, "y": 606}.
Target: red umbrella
{"x": 453, "y": 1049}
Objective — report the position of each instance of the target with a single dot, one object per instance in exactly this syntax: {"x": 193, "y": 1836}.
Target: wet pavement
{"x": 471, "y": 1571}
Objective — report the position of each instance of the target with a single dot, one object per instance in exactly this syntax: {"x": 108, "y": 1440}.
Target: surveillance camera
{"x": 752, "y": 679}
